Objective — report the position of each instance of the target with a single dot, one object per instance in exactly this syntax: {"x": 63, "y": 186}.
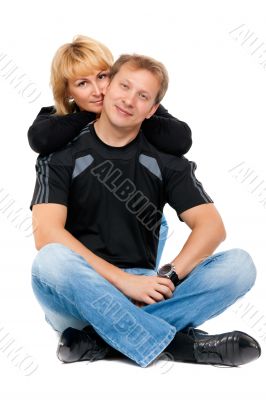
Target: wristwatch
{"x": 168, "y": 271}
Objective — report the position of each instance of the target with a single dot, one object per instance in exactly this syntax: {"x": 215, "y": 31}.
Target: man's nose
{"x": 129, "y": 99}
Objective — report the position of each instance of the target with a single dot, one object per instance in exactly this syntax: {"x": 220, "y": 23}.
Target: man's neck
{"x": 113, "y": 135}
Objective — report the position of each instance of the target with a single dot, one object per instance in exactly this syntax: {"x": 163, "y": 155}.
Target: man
{"x": 97, "y": 208}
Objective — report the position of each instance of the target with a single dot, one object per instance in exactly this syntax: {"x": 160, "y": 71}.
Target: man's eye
{"x": 124, "y": 85}
{"x": 143, "y": 96}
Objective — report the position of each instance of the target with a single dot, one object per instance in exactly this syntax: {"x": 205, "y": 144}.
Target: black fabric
{"x": 50, "y": 132}
{"x": 181, "y": 348}
{"x": 115, "y": 195}
{"x": 111, "y": 352}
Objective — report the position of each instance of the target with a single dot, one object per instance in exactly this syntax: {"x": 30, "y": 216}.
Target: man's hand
{"x": 146, "y": 289}
{"x": 138, "y": 303}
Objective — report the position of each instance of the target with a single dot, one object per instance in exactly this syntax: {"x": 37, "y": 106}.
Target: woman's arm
{"x": 50, "y": 132}
{"x": 167, "y": 133}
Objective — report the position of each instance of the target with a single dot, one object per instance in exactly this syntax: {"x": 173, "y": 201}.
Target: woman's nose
{"x": 96, "y": 89}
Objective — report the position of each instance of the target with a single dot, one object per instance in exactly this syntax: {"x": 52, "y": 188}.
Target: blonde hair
{"x": 138, "y": 61}
{"x": 80, "y": 58}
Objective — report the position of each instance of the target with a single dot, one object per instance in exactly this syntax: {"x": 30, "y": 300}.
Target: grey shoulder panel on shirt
{"x": 151, "y": 164}
{"x": 81, "y": 164}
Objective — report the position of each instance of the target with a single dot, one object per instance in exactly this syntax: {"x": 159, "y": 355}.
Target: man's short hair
{"x": 138, "y": 61}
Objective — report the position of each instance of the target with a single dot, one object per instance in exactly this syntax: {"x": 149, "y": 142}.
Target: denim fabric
{"x": 72, "y": 293}
{"x": 162, "y": 240}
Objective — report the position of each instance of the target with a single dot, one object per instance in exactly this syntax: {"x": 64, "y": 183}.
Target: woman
{"x": 79, "y": 74}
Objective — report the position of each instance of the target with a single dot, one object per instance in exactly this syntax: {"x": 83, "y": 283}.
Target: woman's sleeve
{"x": 167, "y": 133}
{"x": 50, "y": 132}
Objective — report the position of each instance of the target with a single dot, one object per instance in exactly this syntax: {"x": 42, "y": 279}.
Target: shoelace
{"x": 211, "y": 345}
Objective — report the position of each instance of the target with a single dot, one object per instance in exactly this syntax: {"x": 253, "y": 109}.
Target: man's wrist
{"x": 118, "y": 278}
{"x": 168, "y": 271}
{"x": 180, "y": 269}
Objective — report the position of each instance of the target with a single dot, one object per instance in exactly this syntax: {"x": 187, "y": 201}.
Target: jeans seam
{"x": 163, "y": 344}
{"x": 149, "y": 358}
{"x": 143, "y": 363}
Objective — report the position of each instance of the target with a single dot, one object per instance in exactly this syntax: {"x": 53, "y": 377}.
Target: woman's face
{"x": 87, "y": 91}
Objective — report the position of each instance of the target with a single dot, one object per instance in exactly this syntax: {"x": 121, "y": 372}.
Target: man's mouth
{"x": 123, "y": 112}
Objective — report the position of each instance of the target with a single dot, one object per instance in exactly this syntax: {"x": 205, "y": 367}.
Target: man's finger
{"x": 165, "y": 290}
{"x": 167, "y": 282}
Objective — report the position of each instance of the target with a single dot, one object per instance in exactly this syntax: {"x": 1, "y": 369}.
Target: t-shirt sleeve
{"x": 53, "y": 180}
{"x": 183, "y": 189}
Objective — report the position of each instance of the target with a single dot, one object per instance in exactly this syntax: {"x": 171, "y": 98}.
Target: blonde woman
{"x": 79, "y": 75}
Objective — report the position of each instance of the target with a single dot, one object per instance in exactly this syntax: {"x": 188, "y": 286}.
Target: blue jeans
{"x": 72, "y": 293}
{"x": 162, "y": 240}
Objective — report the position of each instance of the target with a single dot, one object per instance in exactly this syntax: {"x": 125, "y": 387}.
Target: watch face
{"x": 165, "y": 269}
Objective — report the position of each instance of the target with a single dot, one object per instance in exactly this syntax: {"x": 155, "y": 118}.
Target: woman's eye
{"x": 124, "y": 86}
{"x": 102, "y": 76}
{"x": 82, "y": 84}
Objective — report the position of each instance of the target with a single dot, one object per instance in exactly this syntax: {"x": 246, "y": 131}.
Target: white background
{"x": 218, "y": 87}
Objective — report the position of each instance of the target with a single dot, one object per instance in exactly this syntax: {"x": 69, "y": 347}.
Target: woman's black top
{"x": 50, "y": 132}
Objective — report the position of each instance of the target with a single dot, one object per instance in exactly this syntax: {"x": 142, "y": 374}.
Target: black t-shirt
{"x": 115, "y": 195}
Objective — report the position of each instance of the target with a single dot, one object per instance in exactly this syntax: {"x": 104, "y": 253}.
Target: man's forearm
{"x": 110, "y": 272}
{"x": 200, "y": 244}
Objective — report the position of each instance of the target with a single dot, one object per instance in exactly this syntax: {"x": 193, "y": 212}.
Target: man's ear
{"x": 152, "y": 111}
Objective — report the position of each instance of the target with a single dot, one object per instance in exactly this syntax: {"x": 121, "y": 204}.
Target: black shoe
{"x": 231, "y": 349}
{"x": 75, "y": 345}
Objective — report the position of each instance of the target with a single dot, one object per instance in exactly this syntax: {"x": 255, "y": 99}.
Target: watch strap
{"x": 174, "y": 278}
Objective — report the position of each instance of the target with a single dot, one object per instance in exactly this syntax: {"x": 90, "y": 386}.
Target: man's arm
{"x": 207, "y": 232}
{"x": 49, "y": 227}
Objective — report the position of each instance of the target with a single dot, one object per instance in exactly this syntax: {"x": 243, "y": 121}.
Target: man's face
{"x": 130, "y": 97}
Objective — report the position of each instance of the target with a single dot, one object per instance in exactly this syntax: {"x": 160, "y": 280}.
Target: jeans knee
{"x": 52, "y": 250}
{"x": 56, "y": 264}
{"x": 243, "y": 269}
{"x": 50, "y": 259}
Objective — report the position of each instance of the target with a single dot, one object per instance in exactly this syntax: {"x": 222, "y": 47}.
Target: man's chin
{"x": 123, "y": 126}
{"x": 121, "y": 123}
